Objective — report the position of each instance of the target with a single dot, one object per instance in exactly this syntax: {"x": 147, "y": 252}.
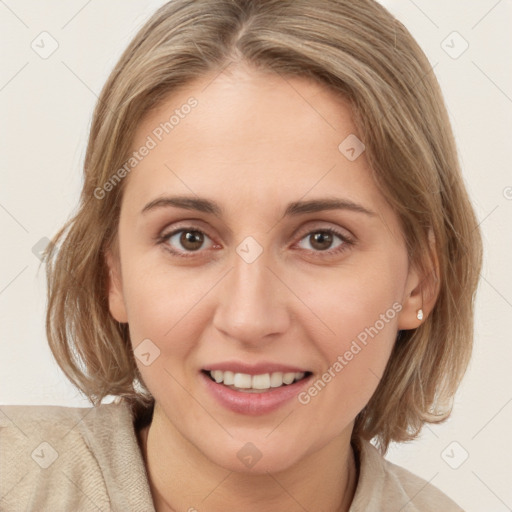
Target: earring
{"x": 419, "y": 314}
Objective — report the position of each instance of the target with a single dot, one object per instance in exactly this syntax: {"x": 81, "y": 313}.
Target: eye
{"x": 325, "y": 240}
{"x": 185, "y": 240}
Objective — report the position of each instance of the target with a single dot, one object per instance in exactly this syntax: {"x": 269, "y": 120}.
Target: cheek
{"x": 165, "y": 316}
{"x": 166, "y": 307}
{"x": 360, "y": 308}
{"x": 359, "y": 297}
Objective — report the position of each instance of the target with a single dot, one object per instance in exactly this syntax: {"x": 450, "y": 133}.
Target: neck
{"x": 181, "y": 478}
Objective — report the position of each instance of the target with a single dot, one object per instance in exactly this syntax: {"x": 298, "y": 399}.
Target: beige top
{"x": 88, "y": 459}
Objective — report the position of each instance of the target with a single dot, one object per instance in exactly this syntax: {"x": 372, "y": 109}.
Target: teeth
{"x": 276, "y": 380}
{"x": 263, "y": 381}
{"x": 288, "y": 378}
{"x": 217, "y": 375}
{"x": 228, "y": 378}
{"x": 243, "y": 381}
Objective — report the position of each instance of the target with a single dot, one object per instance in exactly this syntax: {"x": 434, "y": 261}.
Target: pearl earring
{"x": 419, "y": 314}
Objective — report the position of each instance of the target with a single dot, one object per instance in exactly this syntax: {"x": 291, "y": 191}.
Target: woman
{"x": 274, "y": 262}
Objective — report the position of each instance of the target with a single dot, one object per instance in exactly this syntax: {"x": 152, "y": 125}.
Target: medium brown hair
{"x": 359, "y": 51}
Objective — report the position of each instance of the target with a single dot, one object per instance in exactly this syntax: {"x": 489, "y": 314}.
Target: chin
{"x": 253, "y": 451}
{"x": 249, "y": 459}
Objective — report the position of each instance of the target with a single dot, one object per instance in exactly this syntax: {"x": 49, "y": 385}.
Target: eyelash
{"x": 347, "y": 242}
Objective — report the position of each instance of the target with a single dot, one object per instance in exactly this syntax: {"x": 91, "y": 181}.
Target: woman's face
{"x": 252, "y": 243}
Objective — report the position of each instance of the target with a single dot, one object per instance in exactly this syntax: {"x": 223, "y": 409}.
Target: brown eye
{"x": 321, "y": 240}
{"x": 191, "y": 240}
{"x": 186, "y": 240}
{"x": 328, "y": 241}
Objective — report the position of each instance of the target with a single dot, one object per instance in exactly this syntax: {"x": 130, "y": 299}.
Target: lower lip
{"x": 253, "y": 404}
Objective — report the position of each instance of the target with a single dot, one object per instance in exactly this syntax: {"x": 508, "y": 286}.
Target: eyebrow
{"x": 292, "y": 209}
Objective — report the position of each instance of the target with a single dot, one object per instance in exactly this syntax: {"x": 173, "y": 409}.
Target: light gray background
{"x": 46, "y": 107}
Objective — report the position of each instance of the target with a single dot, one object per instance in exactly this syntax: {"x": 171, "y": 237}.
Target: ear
{"x": 421, "y": 291}
{"x": 116, "y": 302}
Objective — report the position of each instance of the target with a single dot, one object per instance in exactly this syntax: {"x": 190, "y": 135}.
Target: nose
{"x": 252, "y": 303}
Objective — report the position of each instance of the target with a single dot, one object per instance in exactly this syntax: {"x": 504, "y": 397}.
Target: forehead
{"x": 251, "y": 136}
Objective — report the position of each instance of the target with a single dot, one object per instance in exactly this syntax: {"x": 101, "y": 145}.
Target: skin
{"x": 254, "y": 143}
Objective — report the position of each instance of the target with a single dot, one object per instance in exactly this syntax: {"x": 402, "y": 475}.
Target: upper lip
{"x": 254, "y": 369}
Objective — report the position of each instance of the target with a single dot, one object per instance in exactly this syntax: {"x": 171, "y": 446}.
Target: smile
{"x": 255, "y": 383}
{"x": 263, "y": 390}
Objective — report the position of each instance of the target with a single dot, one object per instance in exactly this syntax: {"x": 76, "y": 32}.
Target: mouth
{"x": 260, "y": 383}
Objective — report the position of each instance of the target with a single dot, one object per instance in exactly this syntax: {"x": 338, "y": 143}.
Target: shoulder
{"x": 386, "y": 486}
{"x": 57, "y": 418}
{"x": 56, "y": 456}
